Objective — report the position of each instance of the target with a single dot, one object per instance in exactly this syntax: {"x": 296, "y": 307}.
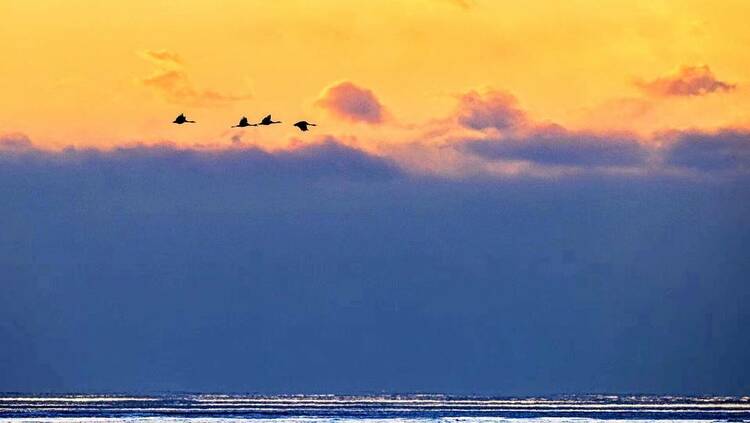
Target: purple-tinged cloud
{"x": 522, "y": 139}
{"x": 353, "y": 103}
{"x": 726, "y": 150}
{"x": 556, "y": 146}
{"x": 688, "y": 81}
{"x": 326, "y": 158}
{"x": 15, "y": 143}
{"x": 494, "y": 109}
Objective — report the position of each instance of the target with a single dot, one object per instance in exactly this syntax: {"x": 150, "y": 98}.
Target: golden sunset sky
{"x": 88, "y": 73}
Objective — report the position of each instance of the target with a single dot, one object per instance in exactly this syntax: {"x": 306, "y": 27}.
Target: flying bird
{"x": 303, "y": 124}
{"x": 267, "y": 121}
{"x": 243, "y": 123}
{"x": 182, "y": 119}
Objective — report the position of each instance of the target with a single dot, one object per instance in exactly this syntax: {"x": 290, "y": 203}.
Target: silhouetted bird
{"x": 243, "y": 123}
{"x": 267, "y": 121}
{"x": 182, "y": 119}
{"x": 302, "y": 125}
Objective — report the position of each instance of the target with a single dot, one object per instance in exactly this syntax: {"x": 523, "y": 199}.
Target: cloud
{"x": 149, "y": 260}
{"x": 725, "y": 150}
{"x": 164, "y": 57}
{"x": 493, "y": 109}
{"x": 353, "y": 103}
{"x": 15, "y": 143}
{"x": 511, "y": 135}
{"x": 556, "y": 146}
{"x": 687, "y": 81}
{"x": 237, "y": 138}
{"x": 173, "y": 83}
{"x": 328, "y": 156}
{"x": 321, "y": 159}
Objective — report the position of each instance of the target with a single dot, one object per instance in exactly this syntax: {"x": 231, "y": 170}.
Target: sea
{"x": 203, "y": 408}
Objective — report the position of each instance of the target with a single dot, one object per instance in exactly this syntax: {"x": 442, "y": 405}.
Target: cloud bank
{"x": 558, "y": 147}
{"x": 243, "y": 270}
{"x": 724, "y": 151}
{"x": 505, "y": 133}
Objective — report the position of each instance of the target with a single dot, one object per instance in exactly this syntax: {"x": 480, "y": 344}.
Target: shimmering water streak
{"x": 417, "y": 407}
{"x": 321, "y": 420}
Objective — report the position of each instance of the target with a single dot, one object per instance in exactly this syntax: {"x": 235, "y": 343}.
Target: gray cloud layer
{"x": 325, "y": 269}
{"x": 557, "y": 146}
{"x": 727, "y": 150}
{"x": 325, "y": 159}
{"x": 509, "y": 134}
{"x": 517, "y": 137}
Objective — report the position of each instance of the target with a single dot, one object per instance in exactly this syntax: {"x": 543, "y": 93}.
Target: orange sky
{"x": 90, "y": 73}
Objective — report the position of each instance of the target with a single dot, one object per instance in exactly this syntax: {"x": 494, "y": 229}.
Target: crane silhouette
{"x": 243, "y": 123}
{"x": 182, "y": 119}
{"x": 268, "y": 121}
{"x": 303, "y": 124}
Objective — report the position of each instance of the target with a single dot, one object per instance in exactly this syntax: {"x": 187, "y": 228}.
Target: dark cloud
{"x": 519, "y": 138}
{"x": 327, "y": 158}
{"x": 330, "y": 157}
{"x": 727, "y": 150}
{"x": 250, "y": 271}
{"x": 556, "y": 146}
{"x": 688, "y": 81}
{"x": 493, "y": 109}
{"x": 173, "y": 83}
{"x": 544, "y": 144}
{"x": 351, "y": 102}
